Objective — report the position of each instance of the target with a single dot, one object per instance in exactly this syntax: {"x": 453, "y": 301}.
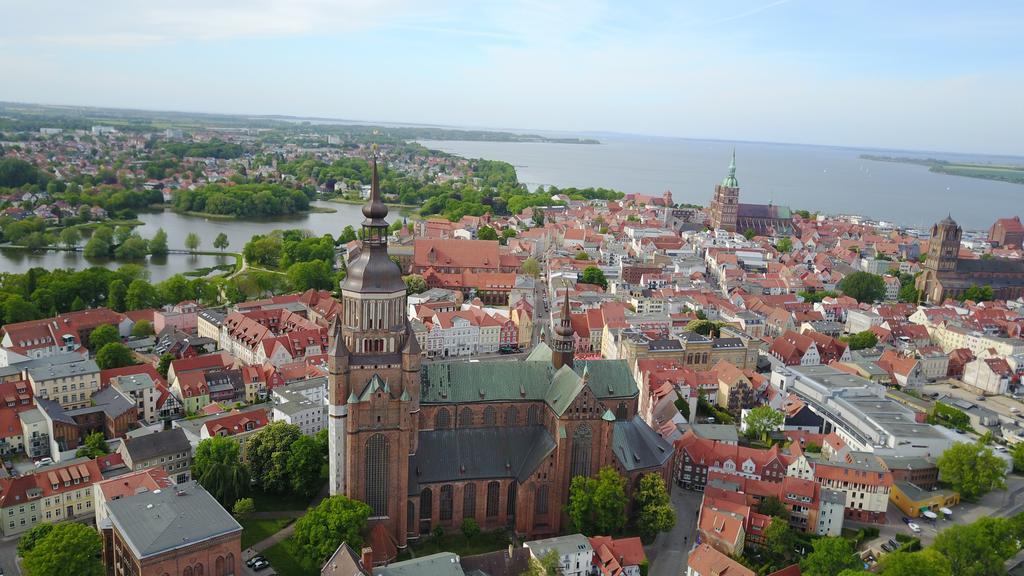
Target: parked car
{"x": 914, "y": 527}
{"x": 261, "y": 565}
{"x": 906, "y": 520}
{"x": 254, "y": 559}
{"x": 892, "y": 542}
{"x": 886, "y": 547}
{"x": 981, "y": 398}
{"x": 44, "y": 462}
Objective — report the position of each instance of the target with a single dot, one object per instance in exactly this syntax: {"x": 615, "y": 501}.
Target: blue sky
{"x": 939, "y": 75}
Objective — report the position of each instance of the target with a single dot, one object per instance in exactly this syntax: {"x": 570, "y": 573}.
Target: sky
{"x": 921, "y": 75}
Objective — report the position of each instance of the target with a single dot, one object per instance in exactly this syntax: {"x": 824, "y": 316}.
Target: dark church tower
{"x": 726, "y": 201}
{"x": 562, "y": 346}
{"x": 373, "y": 392}
{"x": 943, "y": 253}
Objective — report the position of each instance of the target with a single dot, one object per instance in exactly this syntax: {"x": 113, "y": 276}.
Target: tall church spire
{"x": 562, "y": 342}
{"x": 730, "y": 180}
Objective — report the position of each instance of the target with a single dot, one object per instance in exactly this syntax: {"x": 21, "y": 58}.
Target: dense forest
{"x": 258, "y": 200}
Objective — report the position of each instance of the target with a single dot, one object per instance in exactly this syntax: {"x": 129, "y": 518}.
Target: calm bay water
{"x": 817, "y": 178}
{"x": 178, "y": 226}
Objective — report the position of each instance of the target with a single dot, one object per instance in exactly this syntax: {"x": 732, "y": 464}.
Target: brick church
{"x": 946, "y": 275}
{"x": 497, "y": 441}
{"x": 727, "y": 213}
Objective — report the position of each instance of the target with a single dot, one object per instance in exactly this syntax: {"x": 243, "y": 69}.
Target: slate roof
{"x": 165, "y": 442}
{"x": 637, "y": 446}
{"x": 440, "y": 564}
{"x": 154, "y": 522}
{"x": 478, "y": 453}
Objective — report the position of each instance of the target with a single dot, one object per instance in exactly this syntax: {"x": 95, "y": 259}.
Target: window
{"x": 218, "y": 566}
{"x": 426, "y": 504}
{"x": 510, "y": 502}
{"x": 490, "y": 416}
{"x": 541, "y": 503}
{"x": 533, "y": 416}
{"x": 377, "y": 474}
{"x": 469, "y": 501}
{"x": 493, "y": 495}
{"x": 466, "y": 417}
{"x": 511, "y": 416}
{"x": 581, "y": 441}
{"x": 446, "y": 503}
{"x": 442, "y": 420}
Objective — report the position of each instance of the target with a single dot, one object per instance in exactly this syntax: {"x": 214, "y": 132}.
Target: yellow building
{"x": 51, "y": 494}
{"x": 913, "y": 500}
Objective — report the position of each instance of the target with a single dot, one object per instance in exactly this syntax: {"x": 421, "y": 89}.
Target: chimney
{"x": 367, "y": 558}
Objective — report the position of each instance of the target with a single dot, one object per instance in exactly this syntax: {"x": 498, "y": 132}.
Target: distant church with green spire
{"x": 727, "y": 213}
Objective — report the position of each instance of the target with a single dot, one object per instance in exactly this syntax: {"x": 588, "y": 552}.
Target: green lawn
{"x": 257, "y": 529}
{"x": 273, "y": 502}
{"x": 287, "y": 560}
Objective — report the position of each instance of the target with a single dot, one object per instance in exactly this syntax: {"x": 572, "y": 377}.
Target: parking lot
{"x": 1005, "y": 406}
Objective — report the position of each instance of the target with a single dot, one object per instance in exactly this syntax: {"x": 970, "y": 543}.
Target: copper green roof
{"x": 498, "y": 381}
{"x": 375, "y": 383}
{"x": 730, "y": 180}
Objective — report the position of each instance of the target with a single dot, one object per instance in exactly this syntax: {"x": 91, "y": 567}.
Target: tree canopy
{"x": 653, "y": 507}
{"x": 218, "y": 467}
{"x": 594, "y": 275}
{"x": 102, "y": 335}
{"x": 972, "y": 469}
{"x": 69, "y": 548}
{"x": 863, "y": 287}
{"x": 335, "y": 520}
{"x": 114, "y": 355}
{"x": 830, "y": 556}
{"x": 762, "y": 420}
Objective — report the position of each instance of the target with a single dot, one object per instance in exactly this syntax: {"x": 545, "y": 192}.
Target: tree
{"x": 547, "y": 565}
{"x": 335, "y": 520}
{"x": 140, "y": 295}
{"x": 581, "y": 504}
{"x": 831, "y": 556}
{"x": 772, "y": 506}
{"x": 779, "y": 539}
{"x": 116, "y": 292}
{"x": 655, "y": 512}
{"x": 103, "y": 335}
{"x": 158, "y": 243}
{"x": 609, "y": 501}
{"x": 95, "y": 445}
{"x": 704, "y": 327}
{"x": 785, "y": 245}
{"x": 486, "y": 233}
{"x": 218, "y": 467}
{"x": 69, "y": 548}
{"x": 470, "y": 529}
{"x": 928, "y": 561}
{"x": 267, "y": 453}
{"x": 114, "y": 355}
{"x": 762, "y": 420}
{"x": 133, "y": 248}
{"x": 978, "y": 293}
{"x": 243, "y": 507}
{"x": 581, "y": 255}
{"x": 594, "y": 275}
{"x": 862, "y": 340}
{"x": 749, "y": 233}
{"x": 415, "y": 284}
{"x": 315, "y": 274}
{"x": 1017, "y": 452}
{"x": 99, "y": 245}
{"x": 348, "y": 234}
{"x": 70, "y": 237}
{"x": 538, "y": 217}
{"x": 165, "y": 364}
{"x": 863, "y": 287}
{"x": 221, "y": 241}
{"x": 29, "y": 539}
{"x": 192, "y": 241}
{"x": 142, "y": 329}
{"x": 530, "y": 267}
{"x": 972, "y": 469}
{"x": 304, "y": 462}
{"x": 978, "y": 548}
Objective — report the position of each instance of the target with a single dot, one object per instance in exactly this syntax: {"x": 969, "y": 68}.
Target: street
{"x": 8, "y": 552}
{"x": 667, "y": 555}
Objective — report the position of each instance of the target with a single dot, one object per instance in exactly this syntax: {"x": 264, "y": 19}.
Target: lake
{"x": 178, "y": 226}
{"x": 816, "y": 178}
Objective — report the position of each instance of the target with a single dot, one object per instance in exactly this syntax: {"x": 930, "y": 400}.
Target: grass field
{"x": 257, "y": 529}
{"x": 279, "y": 502}
{"x": 459, "y": 544}
{"x": 287, "y": 560}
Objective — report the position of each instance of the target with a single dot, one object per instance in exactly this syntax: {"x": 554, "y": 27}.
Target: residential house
{"x": 167, "y": 449}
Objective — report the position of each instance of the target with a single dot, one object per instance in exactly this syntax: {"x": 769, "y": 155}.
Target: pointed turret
{"x": 561, "y": 342}
{"x": 375, "y": 210}
{"x": 730, "y": 180}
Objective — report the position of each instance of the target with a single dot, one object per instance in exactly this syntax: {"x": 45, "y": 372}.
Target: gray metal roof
{"x": 51, "y": 371}
{"x": 563, "y": 545}
{"x": 637, "y": 446}
{"x": 440, "y": 564}
{"x": 162, "y": 520}
{"x": 109, "y": 401}
{"x": 478, "y": 453}
{"x": 162, "y": 443}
